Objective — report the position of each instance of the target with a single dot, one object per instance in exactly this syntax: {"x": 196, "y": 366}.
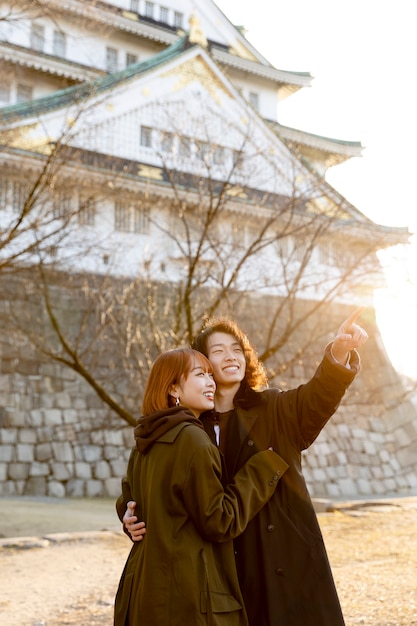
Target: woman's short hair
{"x": 255, "y": 374}
{"x": 167, "y": 370}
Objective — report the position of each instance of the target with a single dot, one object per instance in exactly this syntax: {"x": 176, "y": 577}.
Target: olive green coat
{"x": 183, "y": 572}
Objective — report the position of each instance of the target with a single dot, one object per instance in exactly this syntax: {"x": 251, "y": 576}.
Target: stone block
{"x": 39, "y": 469}
{"x": 55, "y": 489}
{"x": 62, "y": 471}
{"x": 75, "y": 488}
{"x": 94, "y": 488}
{"x": 18, "y": 471}
{"x": 8, "y": 435}
{"x": 63, "y": 451}
{"x": 63, "y": 400}
{"x": 97, "y": 437}
{"x": 82, "y": 470}
{"x": 5, "y": 386}
{"x": 118, "y": 468}
{"x": 112, "y": 488}
{"x": 364, "y": 487}
{"x": 36, "y": 418}
{"x": 43, "y": 452}
{"x": 53, "y": 417}
{"x": 114, "y": 437}
{"x": 102, "y": 470}
{"x": 35, "y": 486}
{"x": 25, "y": 452}
{"x": 333, "y": 490}
{"x": 70, "y": 416}
{"x": 3, "y": 472}
{"x": 406, "y": 457}
{"x": 27, "y": 435}
{"x": 6, "y": 453}
{"x": 347, "y": 487}
{"x": 110, "y": 453}
{"x": 402, "y": 437}
{"x": 92, "y": 453}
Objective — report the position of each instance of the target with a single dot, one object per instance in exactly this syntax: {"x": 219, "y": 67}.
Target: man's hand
{"x": 135, "y": 529}
{"x": 348, "y": 337}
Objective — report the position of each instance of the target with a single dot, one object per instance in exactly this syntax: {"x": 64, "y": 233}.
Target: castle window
{"x": 59, "y": 43}
{"x": 4, "y": 94}
{"x": 20, "y": 195}
{"x": 131, "y": 59}
{"x": 146, "y": 136}
{"x": 163, "y": 15}
{"x": 167, "y": 142}
{"x": 86, "y": 210}
{"x": 134, "y": 6}
{"x": 178, "y": 19}
{"x": 131, "y": 218}
{"x": 254, "y": 100}
{"x": 111, "y": 60}
{"x": 24, "y": 93}
{"x": 149, "y": 6}
{"x": 61, "y": 205}
{"x": 37, "y": 37}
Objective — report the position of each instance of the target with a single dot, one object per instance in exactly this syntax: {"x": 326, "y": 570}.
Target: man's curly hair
{"x": 255, "y": 374}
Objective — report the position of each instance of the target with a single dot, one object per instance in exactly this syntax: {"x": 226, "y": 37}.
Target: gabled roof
{"x": 77, "y": 93}
{"x": 326, "y": 149}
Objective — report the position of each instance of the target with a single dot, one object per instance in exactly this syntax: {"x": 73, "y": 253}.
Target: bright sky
{"x": 362, "y": 55}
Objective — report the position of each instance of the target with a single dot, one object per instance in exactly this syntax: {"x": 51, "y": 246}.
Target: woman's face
{"x": 227, "y": 359}
{"x": 196, "y": 392}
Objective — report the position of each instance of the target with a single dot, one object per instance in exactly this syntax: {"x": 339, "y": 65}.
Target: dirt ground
{"x": 70, "y": 578}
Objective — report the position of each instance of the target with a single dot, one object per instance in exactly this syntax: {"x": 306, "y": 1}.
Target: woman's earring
{"x": 177, "y": 401}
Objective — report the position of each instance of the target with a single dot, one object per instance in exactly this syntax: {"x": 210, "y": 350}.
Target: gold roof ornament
{"x": 196, "y": 34}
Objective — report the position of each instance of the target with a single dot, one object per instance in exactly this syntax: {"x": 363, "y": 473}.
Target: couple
{"x": 194, "y": 499}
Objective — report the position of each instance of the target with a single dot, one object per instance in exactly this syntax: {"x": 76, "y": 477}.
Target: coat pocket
{"x": 215, "y": 602}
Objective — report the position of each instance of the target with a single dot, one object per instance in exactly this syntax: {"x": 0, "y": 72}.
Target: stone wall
{"x": 57, "y": 438}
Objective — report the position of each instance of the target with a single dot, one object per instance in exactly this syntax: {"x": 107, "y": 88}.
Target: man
{"x": 281, "y": 559}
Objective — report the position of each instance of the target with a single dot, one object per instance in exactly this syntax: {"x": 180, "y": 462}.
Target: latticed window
{"x": 86, "y": 210}
{"x": 130, "y": 217}
{"x": 134, "y": 5}
{"x": 163, "y": 15}
{"x": 24, "y": 93}
{"x": 167, "y": 142}
{"x": 4, "y": 93}
{"x": 178, "y": 19}
{"x": 254, "y": 100}
{"x": 62, "y": 205}
{"x": 146, "y": 136}
{"x": 149, "y": 6}
{"x": 185, "y": 147}
{"x": 20, "y": 195}
{"x": 131, "y": 59}
{"x": 4, "y": 192}
{"x": 59, "y": 44}
{"x": 112, "y": 59}
{"x": 37, "y": 37}
{"x": 141, "y": 220}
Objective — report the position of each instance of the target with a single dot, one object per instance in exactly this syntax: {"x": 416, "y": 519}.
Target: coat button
{"x": 279, "y": 571}
{"x": 250, "y": 442}
{"x": 270, "y": 528}
{"x": 271, "y": 482}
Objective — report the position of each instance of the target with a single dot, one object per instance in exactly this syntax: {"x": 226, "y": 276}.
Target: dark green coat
{"x": 183, "y": 572}
{"x": 283, "y": 568}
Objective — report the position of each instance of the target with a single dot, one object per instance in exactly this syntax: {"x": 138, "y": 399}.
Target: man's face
{"x": 227, "y": 358}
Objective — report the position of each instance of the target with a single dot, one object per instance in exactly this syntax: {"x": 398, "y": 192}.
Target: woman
{"x": 184, "y": 573}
